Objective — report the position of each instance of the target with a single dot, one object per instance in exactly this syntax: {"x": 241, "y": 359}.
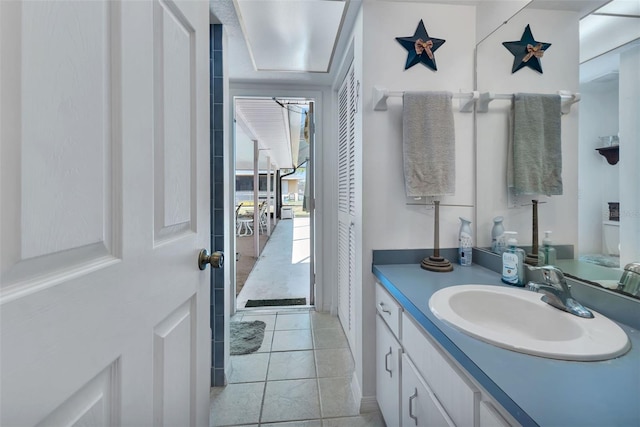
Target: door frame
{"x": 314, "y": 95}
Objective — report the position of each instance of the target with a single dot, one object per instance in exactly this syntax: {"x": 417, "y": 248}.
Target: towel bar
{"x": 380, "y": 95}
{"x": 566, "y": 100}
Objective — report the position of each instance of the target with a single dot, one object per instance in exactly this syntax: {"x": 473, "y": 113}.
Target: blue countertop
{"x": 534, "y": 390}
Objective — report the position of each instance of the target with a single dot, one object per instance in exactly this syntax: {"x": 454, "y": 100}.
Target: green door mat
{"x": 275, "y": 302}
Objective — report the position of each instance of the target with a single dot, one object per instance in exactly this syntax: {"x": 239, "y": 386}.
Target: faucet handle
{"x": 554, "y": 274}
{"x": 557, "y": 292}
{"x": 551, "y": 275}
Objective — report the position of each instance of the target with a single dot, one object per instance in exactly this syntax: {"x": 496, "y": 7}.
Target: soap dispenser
{"x": 465, "y": 242}
{"x": 548, "y": 254}
{"x": 513, "y": 261}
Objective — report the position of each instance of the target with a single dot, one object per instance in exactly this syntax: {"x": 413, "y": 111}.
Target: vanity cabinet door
{"x": 388, "y": 353}
{"x": 454, "y": 390}
{"x": 489, "y": 416}
{"x": 420, "y": 407}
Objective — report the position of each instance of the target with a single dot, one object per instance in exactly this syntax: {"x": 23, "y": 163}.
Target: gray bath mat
{"x": 246, "y": 337}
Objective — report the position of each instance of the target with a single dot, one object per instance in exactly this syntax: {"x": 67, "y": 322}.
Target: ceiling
{"x": 295, "y": 37}
{"x": 277, "y": 125}
{"x": 287, "y": 35}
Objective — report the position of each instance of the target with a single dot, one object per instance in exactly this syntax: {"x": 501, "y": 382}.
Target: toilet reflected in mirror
{"x": 611, "y": 238}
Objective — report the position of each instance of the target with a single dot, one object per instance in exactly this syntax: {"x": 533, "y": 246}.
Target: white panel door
{"x": 104, "y": 206}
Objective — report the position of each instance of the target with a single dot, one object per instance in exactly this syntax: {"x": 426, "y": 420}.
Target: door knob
{"x": 216, "y": 259}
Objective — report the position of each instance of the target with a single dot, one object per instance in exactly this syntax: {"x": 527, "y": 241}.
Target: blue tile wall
{"x": 217, "y": 376}
{"x": 217, "y": 96}
{"x": 218, "y": 135}
{"x": 216, "y": 103}
{"x": 217, "y": 37}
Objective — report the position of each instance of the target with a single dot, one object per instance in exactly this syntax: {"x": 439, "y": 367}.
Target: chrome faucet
{"x": 557, "y": 292}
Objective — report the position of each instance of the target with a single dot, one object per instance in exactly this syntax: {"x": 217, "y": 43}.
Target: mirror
{"x": 602, "y": 65}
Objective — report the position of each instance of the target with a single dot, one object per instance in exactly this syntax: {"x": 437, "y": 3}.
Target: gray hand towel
{"x": 428, "y": 138}
{"x": 534, "y": 165}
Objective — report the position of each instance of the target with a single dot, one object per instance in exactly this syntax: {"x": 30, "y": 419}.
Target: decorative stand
{"x": 532, "y": 258}
{"x": 435, "y": 262}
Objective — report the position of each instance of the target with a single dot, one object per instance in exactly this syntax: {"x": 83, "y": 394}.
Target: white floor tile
{"x": 291, "y": 400}
{"x": 324, "y": 320}
{"x": 373, "y": 419}
{"x": 236, "y": 404}
{"x": 292, "y": 340}
{"x": 248, "y": 368}
{"x": 311, "y": 423}
{"x": 334, "y": 362}
{"x": 268, "y": 319}
{"x": 290, "y": 365}
{"x": 266, "y": 342}
{"x": 336, "y": 398}
{"x": 287, "y": 321}
{"x": 329, "y": 338}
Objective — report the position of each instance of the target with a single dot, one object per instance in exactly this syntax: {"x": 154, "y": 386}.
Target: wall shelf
{"x": 610, "y": 153}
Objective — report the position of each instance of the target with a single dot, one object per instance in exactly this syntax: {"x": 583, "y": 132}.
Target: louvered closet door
{"x": 346, "y": 204}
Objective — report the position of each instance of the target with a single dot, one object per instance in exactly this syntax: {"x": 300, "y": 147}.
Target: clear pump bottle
{"x": 513, "y": 261}
{"x": 497, "y": 236}
{"x": 548, "y": 254}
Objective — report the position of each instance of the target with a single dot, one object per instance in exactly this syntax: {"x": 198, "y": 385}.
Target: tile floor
{"x": 300, "y": 377}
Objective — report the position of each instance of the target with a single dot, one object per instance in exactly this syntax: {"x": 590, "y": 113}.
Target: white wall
{"x": 598, "y": 180}
{"x": 387, "y": 221}
{"x": 560, "y": 72}
{"x": 491, "y": 14}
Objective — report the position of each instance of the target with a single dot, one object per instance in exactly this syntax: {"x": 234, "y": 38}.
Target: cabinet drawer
{"x": 454, "y": 391}
{"x": 419, "y": 405}
{"x": 389, "y": 309}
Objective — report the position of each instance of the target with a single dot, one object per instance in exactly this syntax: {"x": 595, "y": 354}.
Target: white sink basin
{"x": 516, "y": 319}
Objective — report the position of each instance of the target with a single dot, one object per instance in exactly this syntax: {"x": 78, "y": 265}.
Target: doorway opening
{"x": 273, "y": 193}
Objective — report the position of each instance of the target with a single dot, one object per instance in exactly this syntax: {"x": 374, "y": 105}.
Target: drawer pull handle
{"x": 386, "y": 362}
{"x": 384, "y": 310}
{"x": 415, "y": 394}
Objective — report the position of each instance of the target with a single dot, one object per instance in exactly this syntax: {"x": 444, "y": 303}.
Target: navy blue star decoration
{"x": 526, "y": 51}
{"x": 421, "y": 48}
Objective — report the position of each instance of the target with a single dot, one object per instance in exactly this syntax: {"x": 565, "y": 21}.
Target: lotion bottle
{"x": 548, "y": 253}
{"x": 513, "y": 261}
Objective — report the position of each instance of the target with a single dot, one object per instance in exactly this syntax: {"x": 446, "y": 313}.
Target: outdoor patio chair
{"x": 244, "y": 224}
{"x": 263, "y": 217}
